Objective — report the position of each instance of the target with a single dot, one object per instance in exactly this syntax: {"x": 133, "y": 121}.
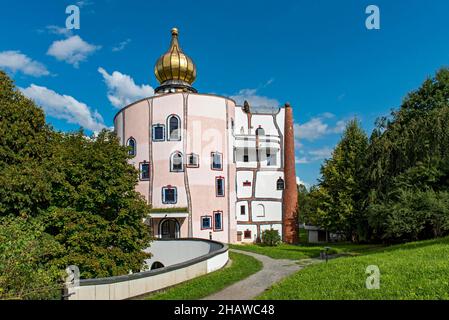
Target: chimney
{"x": 290, "y": 196}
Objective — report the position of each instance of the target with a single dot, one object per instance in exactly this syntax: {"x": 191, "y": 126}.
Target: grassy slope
{"x": 296, "y": 252}
{"x": 418, "y": 270}
{"x": 242, "y": 266}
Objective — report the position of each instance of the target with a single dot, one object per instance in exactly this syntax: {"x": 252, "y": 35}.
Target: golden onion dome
{"x": 175, "y": 69}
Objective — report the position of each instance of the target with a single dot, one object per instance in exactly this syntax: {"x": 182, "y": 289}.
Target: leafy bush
{"x": 271, "y": 237}
{"x": 82, "y": 188}
{"x": 26, "y": 252}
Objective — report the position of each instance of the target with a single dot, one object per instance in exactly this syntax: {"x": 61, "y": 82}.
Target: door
{"x": 169, "y": 229}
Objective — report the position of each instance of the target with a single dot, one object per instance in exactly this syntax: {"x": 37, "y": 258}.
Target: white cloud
{"x": 121, "y": 45}
{"x": 316, "y": 128}
{"x": 299, "y": 182}
{"x": 254, "y": 99}
{"x": 59, "y": 30}
{"x": 314, "y": 155}
{"x": 122, "y": 90}
{"x": 17, "y": 61}
{"x": 72, "y": 50}
{"x": 64, "y": 107}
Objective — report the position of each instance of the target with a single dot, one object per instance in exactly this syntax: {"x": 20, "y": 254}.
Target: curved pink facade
{"x": 252, "y": 195}
{"x": 204, "y": 123}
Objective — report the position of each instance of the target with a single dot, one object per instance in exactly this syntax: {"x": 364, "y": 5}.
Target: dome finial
{"x": 175, "y": 70}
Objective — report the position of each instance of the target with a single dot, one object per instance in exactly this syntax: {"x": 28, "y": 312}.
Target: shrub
{"x": 271, "y": 237}
{"x": 25, "y": 255}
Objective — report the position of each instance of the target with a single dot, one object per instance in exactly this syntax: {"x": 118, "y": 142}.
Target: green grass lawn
{"x": 242, "y": 266}
{"x": 418, "y": 270}
{"x": 303, "y": 251}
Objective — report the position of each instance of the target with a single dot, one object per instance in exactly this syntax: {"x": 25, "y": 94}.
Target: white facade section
{"x": 272, "y": 211}
{"x": 266, "y": 184}
{"x": 247, "y": 227}
{"x": 244, "y": 177}
{"x": 242, "y": 207}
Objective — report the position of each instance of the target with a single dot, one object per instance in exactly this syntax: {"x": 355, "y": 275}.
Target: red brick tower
{"x": 290, "y": 197}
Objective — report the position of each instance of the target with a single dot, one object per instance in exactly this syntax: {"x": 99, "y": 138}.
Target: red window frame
{"x": 221, "y": 218}
{"x": 216, "y": 187}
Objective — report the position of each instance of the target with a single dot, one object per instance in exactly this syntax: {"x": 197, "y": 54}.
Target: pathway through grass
{"x": 303, "y": 251}
{"x": 418, "y": 270}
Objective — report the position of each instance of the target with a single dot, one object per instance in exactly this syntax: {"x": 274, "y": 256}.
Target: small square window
{"x": 217, "y": 161}
{"x": 206, "y": 222}
{"x": 218, "y": 217}
{"x": 158, "y": 132}
{"x": 169, "y": 195}
{"x": 245, "y": 158}
{"x": 144, "y": 169}
{"x": 247, "y": 234}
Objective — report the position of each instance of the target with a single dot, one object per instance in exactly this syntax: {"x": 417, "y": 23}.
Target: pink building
{"x": 209, "y": 168}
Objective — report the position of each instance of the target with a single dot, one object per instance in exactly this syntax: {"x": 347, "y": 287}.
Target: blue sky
{"x": 318, "y": 55}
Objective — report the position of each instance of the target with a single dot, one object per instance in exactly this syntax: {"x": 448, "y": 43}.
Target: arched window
{"x": 260, "y": 210}
{"x": 280, "y": 185}
{"x": 260, "y": 131}
{"x": 132, "y": 145}
{"x": 176, "y": 162}
{"x": 156, "y": 265}
{"x": 174, "y": 128}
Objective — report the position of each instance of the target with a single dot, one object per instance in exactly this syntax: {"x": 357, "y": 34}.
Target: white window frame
{"x": 172, "y": 163}
{"x": 169, "y": 133}
{"x": 164, "y": 201}
{"x": 153, "y": 132}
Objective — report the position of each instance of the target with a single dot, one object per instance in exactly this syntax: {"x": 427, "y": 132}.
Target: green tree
{"x": 340, "y": 193}
{"x": 26, "y": 255}
{"x": 24, "y": 167}
{"x": 83, "y": 188}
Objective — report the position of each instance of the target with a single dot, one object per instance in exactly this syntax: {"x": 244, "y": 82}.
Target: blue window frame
{"x": 158, "y": 132}
{"x": 218, "y": 221}
{"x": 169, "y": 195}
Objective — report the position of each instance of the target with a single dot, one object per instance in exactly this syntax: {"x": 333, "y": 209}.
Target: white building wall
{"x": 243, "y": 227}
{"x": 239, "y": 216}
{"x": 265, "y": 122}
{"x": 266, "y": 184}
{"x": 273, "y": 211}
{"x": 241, "y": 121}
{"x": 243, "y": 176}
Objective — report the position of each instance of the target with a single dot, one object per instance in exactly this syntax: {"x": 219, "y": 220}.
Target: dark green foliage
{"x": 26, "y": 255}
{"x": 81, "y": 188}
{"x": 394, "y": 187}
{"x": 338, "y": 200}
{"x": 271, "y": 237}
